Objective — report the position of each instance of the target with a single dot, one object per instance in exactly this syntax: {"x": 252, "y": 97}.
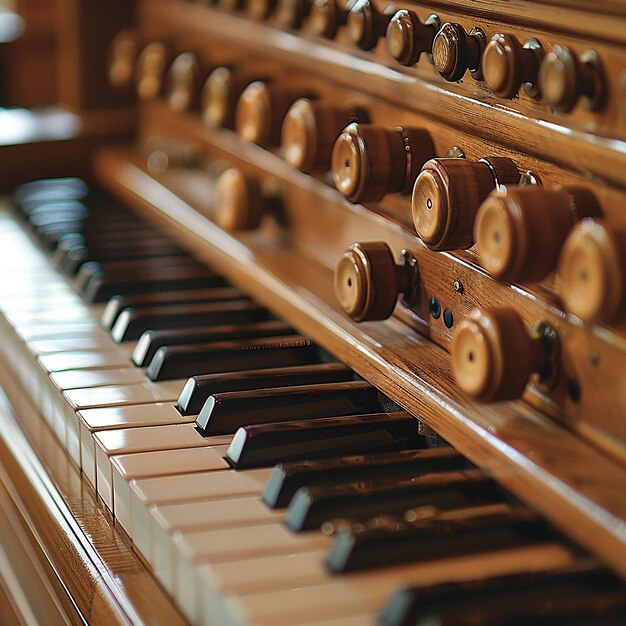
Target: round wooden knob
{"x": 493, "y": 355}
{"x": 447, "y": 195}
{"x": 365, "y": 24}
{"x": 183, "y": 91}
{"x": 239, "y": 204}
{"x": 455, "y": 51}
{"x": 261, "y": 109}
{"x": 123, "y": 53}
{"x": 369, "y": 161}
{"x": 506, "y": 65}
{"x": 368, "y": 281}
{"x": 564, "y": 79}
{"x": 220, "y": 94}
{"x": 291, "y": 13}
{"x": 310, "y": 129}
{"x": 592, "y": 271}
{"x": 520, "y": 230}
{"x": 259, "y": 9}
{"x": 407, "y": 37}
{"x": 325, "y": 17}
{"x": 150, "y": 71}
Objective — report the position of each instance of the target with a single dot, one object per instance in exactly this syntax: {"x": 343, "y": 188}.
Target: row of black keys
{"x": 395, "y": 503}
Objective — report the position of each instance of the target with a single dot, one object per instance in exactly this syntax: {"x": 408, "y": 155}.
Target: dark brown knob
{"x": 369, "y": 161}
{"x": 520, "y": 230}
{"x": 150, "y": 72}
{"x": 261, "y": 109}
{"x": 365, "y": 24}
{"x": 184, "y": 83}
{"x": 564, "y": 79}
{"x": 407, "y": 37}
{"x": 260, "y": 9}
{"x": 291, "y": 13}
{"x": 455, "y": 51}
{"x": 592, "y": 271}
{"x": 447, "y": 195}
{"x": 368, "y": 281}
{"x": 123, "y": 53}
{"x": 493, "y": 355}
{"x": 239, "y": 203}
{"x": 326, "y": 16}
{"x": 310, "y": 129}
{"x": 507, "y": 65}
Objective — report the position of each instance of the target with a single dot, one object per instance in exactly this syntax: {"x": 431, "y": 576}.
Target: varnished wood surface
{"x": 86, "y": 564}
{"x": 575, "y": 485}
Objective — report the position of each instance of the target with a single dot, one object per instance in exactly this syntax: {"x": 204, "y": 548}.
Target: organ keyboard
{"x": 326, "y": 350}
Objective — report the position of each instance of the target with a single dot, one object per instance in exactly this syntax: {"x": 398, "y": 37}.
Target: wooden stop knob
{"x": 407, "y": 37}
{"x": 123, "y": 53}
{"x": 447, "y": 195}
{"x": 455, "y": 51}
{"x": 150, "y": 72}
{"x": 259, "y": 9}
{"x": 310, "y": 129}
{"x": 239, "y": 203}
{"x": 369, "y": 161}
{"x": 564, "y": 79}
{"x": 291, "y": 13}
{"x": 520, "y": 230}
{"x": 493, "y": 356}
{"x": 261, "y": 109}
{"x": 368, "y": 281}
{"x": 326, "y": 16}
{"x": 184, "y": 83}
{"x": 365, "y": 24}
{"x": 507, "y": 65}
{"x": 592, "y": 271}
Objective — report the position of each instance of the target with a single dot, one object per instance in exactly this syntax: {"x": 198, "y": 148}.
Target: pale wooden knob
{"x": 407, "y": 37}
{"x": 368, "y": 281}
{"x": 259, "y": 9}
{"x": 506, "y": 65}
{"x": 239, "y": 203}
{"x": 220, "y": 94}
{"x": 369, "y": 161}
{"x": 123, "y": 53}
{"x": 310, "y": 129}
{"x": 365, "y": 24}
{"x": 150, "y": 71}
{"x": 592, "y": 271}
{"x": 184, "y": 76}
{"x": 493, "y": 355}
{"x": 447, "y": 195}
{"x": 455, "y": 51}
{"x": 325, "y": 17}
{"x": 520, "y": 230}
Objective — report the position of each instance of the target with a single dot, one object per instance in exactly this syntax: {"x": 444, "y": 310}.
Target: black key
{"x": 312, "y": 506}
{"x": 103, "y": 286}
{"x": 198, "y": 388}
{"x": 50, "y": 235}
{"x": 232, "y": 356}
{"x": 152, "y": 340}
{"x": 287, "y": 478}
{"x": 263, "y": 445}
{"x": 403, "y": 542}
{"x": 224, "y": 413}
{"x": 118, "y": 303}
{"x": 570, "y": 596}
{"x": 133, "y": 322}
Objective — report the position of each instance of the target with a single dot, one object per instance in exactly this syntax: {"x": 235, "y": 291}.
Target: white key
{"x": 82, "y": 379}
{"x": 60, "y": 361}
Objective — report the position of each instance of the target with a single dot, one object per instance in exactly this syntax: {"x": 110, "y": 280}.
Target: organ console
{"x": 335, "y": 336}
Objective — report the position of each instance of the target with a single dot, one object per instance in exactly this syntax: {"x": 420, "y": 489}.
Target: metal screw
{"x": 595, "y": 357}
{"x": 456, "y": 153}
{"x": 458, "y": 286}
{"x": 529, "y": 178}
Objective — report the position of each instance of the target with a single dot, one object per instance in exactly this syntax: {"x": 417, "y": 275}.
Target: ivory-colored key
{"x": 82, "y": 379}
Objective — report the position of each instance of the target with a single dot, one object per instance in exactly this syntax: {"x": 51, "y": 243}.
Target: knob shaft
{"x": 507, "y": 65}
{"x": 447, "y": 195}
{"x": 407, "y": 37}
{"x": 261, "y": 109}
{"x": 184, "y": 83}
{"x": 369, "y": 161}
{"x": 326, "y": 16}
{"x": 564, "y": 79}
{"x": 592, "y": 271}
{"x": 368, "y": 281}
{"x": 123, "y": 53}
{"x": 239, "y": 203}
{"x": 365, "y": 24}
{"x": 150, "y": 72}
{"x": 520, "y": 230}
{"x": 455, "y": 51}
{"x": 493, "y": 356}
{"x": 310, "y": 129}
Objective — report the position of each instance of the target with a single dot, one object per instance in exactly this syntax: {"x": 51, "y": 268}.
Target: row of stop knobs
{"x": 559, "y": 76}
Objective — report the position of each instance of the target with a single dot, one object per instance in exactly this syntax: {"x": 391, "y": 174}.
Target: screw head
{"x": 458, "y": 286}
